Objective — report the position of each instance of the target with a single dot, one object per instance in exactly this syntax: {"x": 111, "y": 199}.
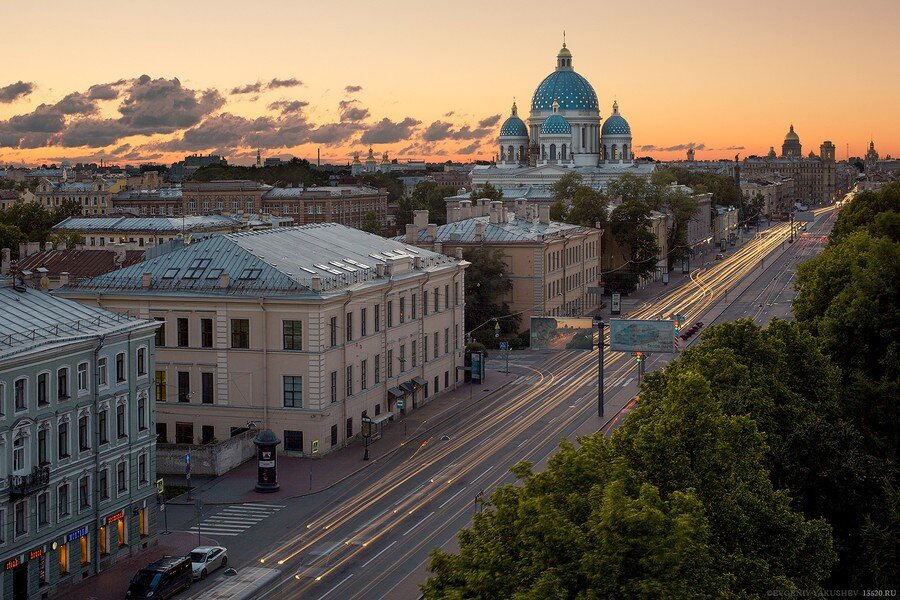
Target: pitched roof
{"x": 516, "y": 231}
{"x": 156, "y": 224}
{"x": 78, "y": 263}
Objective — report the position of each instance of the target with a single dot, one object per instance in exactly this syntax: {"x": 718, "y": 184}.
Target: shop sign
{"x": 116, "y": 517}
{"x": 77, "y": 534}
{"x": 13, "y": 563}
{"x": 36, "y": 554}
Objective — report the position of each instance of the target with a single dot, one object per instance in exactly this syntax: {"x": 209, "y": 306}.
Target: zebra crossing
{"x": 236, "y": 518}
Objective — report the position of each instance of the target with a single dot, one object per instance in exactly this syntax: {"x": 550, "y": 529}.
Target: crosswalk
{"x": 236, "y": 518}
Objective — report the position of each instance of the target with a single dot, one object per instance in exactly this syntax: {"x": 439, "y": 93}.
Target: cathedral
{"x": 564, "y": 131}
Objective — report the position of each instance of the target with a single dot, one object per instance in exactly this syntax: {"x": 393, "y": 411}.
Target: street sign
{"x": 477, "y": 360}
{"x": 400, "y": 404}
{"x": 497, "y": 330}
{"x": 315, "y": 446}
{"x": 616, "y": 303}
{"x": 563, "y": 333}
{"x": 160, "y": 485}
{"x": 638, "y": 335}
{"x": 504, "y": 345}
{"x": 187, "y": 458}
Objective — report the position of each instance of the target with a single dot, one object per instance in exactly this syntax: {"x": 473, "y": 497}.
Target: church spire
{"x": 564, "y": 57}
{"x": 515, "y": 109}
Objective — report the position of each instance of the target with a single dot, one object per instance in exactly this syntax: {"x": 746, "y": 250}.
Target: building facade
{"x": 303, "y": 330}
{"x": 77, "y": 439}
{"x": 814, "y": 176}
{"x": 94, "y": 196}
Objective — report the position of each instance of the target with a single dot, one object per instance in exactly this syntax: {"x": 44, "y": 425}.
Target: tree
{"x": 297, "y": 172}
{"x": 681, "y": 208}
{"x": 70, "y": 240}
{"x": 430, "y": 196}
{"x": 630, "y": 226}
{"x": 588, "y": 208}
{"x": 487, "y": 282}
{"x": 388, "y": 181}
{"x": 559, "y": 211}
{"x": 565, "y": 187}
{"x": 486, "y": 191}
{"x": 370, "y": 223}
{"x": 865, "y": 208}
{"x": 10, "y": 237}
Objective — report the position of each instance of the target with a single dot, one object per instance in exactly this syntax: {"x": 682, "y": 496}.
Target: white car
{"x": 206, "y": 559}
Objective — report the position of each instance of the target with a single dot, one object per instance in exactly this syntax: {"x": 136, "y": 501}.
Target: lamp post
{"x": 367, "y": 433}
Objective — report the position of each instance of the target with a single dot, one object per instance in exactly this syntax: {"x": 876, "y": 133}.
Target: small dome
{"x": 556, "y": 124}
{"x": 791, "y": 136}
{"x": 513, "y": 126}
{"x": 615, "y": 125}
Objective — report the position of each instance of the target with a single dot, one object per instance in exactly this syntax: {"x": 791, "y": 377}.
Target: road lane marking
{"x": 627, "y": 382}
{"x": 270, "y": 506}
{"x": 419, "y": 523}
{"x": 337, "y": 586}
{"x": 482, "y": 475}
{"x": 452, "y": 497}
{"x": 366, "y": 564}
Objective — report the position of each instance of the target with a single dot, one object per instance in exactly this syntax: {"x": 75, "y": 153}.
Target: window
{"x": 62, "y": 384}
{"x": 293, "y": 441}
{"x": 349, "y": 380}
{"x": 363, "y": 375}
{"x": 447, "y": 296}
{"x": 120, "y": 367}
{"x": 102, "y": 426}
{"x": 377, "y": 318}
{"x": 402, "y": 310}
{"x": 182, "y": 332}
{"x": 62, "y": 439}
{"x": 390, "y": 313}
{"x": 349, "y": 428}
{"x": 21, "y": 517}
{"x": 103, "y": 483}
{"x": 43, "y": 508}
{"x": 206, "y": 333}
{"x": 425, "y": 303}
{"x": 142, "y": 413}
{"x": 293, "y": 391}
{"x": 333, "y": 331}
{"x": 142, "y": 469}
{"x": 84, "y": 437}
{"x": 121, "y": 479}
{"x": 456, "y": 293}
{"x": 84, "y": 493}
{"x": 333, "y": 387}
{"x": 240, "y": 333}
{"x": 446, "y": 379}
{"x": 42, "y": 446}
{"x": 390, "y": 363}
{"x": 436, "y": 305}
{"x": 425, "y": 350}
{"x": 102, "y": 374}
{"x": 161, "y": 387}
{"x": 456, "y": 338}
{"x": 334, "y": 436}
{"x": 184, "y": 386}
{"x": 141, "y": 362}
{"x": 446, "y": 340}
{"x": 436, "y": 342}
{"x": 206, "y": 388}
{"x": 42, "y": 387}
{"x": 362, "y": 323}
{"x": 19, "y": 454}
{"x": 121, "y": 431}
{"x": 292, "y": 335}
{"x": 377, "y": 369}
{"x": 412, "y": 307}
{"x": 402, "y": 357}
{"x": 20, "y": 388}
{"x": 63, "y": 506}
{"x": 162, "y": 434}
{"x": 349, "y": 326}
{"x": 160, "y": 332}
{"x": 413, "y": 354}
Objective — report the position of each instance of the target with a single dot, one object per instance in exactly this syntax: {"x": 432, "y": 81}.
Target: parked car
{"x": 720, "y": 255}
{"x": 206, "y": 559}
{"x": 163, "y": 579}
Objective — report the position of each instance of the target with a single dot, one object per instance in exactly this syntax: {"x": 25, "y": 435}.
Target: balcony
{"x": 24, "y": 485}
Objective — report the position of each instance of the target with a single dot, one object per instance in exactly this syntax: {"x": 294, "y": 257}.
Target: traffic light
{"x": 677, "y": 325}
{"x": 638, "y": 357}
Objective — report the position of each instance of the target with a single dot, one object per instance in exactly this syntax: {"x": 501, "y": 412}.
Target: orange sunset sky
{"x": 140, "y": 81}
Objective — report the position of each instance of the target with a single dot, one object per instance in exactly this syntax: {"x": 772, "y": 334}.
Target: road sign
{"x": 160, "y": 485}
{"x": 400, "y": 404}
{"x": 187, "y": 458}
{"x": 504, "y": 345}
{"x": 563, "y": 333}
{"x": 315, "y": 446}
{"x": 497, "y": 330}
{"x": 616, "y": 303}
{"x": 477, "y": 360}
{"x": 638, "y": 335}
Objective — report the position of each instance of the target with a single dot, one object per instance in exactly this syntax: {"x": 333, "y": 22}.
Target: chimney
{"x": 458, "y": 253}
{"x": 119, "y": 259}
{"x": 33, "y": 248}
{"x": 420, "y": 218}
{"x": 379, "y": 269}
{"x": 45, "y": 282}
{"x": 465, "y": 209}
{"x": 316, "y": 283}
{"x": 496, "y": 211}
{"x": 146, "y": 280}
{"x": 64, "y": 278}
{"x": 419, "y": 262}
{"x": 438, "y": 247}
{"x": 412, "y": 233}
{"x": 224, "y": 281}
{"x": 60, "y": 245}
{"x": 4, "y": 261}
{"x": 453, "y": 214}
{"x": 479, "y": 231}
{"x": 431, "y": 232}
{"x": 23, "y": 250}
{"x": 544, "y": 213}
{"x": 482, "y": 207}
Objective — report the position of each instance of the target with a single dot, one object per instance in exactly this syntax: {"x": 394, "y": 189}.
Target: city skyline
{"x": 422, "y": 82}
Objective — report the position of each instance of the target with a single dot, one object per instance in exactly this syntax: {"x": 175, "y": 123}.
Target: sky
{"x": 150, "y": 82}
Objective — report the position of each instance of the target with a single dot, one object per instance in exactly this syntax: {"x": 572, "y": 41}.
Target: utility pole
{"x": 791, "y": 241}
{"x": 600, "y": 384}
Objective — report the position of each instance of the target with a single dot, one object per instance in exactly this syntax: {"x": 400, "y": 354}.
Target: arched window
{"x": 615, "y": 152}
{"x": 552, "y": 151}
{"x": 543, "y": 152}
{"x": 521, "y": 153}
{"x": 562, "y": 154}
{"x": 501, "y": 153}
{"x": 510, "y": 155}
{"x": 624, "y": 151}
{"x": 583, "y": 137}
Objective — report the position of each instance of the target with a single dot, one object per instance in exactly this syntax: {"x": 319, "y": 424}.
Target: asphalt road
{"x": 370, "y": 536}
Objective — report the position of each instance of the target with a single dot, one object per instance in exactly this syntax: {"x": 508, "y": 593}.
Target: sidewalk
{"x": 112, "y": 583}
{"x": 300, "y": 476}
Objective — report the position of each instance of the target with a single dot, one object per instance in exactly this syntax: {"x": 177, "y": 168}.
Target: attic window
{"x": 170, "y": 273}
{"x": 214, "y": 274}
{"x": 249, "y": 274}
{"x": 197, "y": 267}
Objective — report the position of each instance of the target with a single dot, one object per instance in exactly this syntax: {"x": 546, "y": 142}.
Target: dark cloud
{"x": 489, "y": 121}
{"x": 14, "y": 91}
{"x": 221, "y": 131}
{"x": 350, "y": 112}
{"x": 164, "y": 105}
{"x": 250, "y": 88}
{"x": 450, "y": 113}
{"x": 675, "y": 148}
{"x": 44, "y": 119}
{"x": 121, "y": 149}
{"x": 470, "y": 149}
{"x": 352, "y": 89}
{"x": 105, "y": 91}
{"x": 283, "y": 83}
{"x": 388, "y": 132}
{"x": 77, "y": 103}
{"x": 729, "y": 148}
{"x": 288, "y": 106}
{"x": 333, "y": 134}
{"x": 93, "y": 132}
{"x": 441, "y": 130}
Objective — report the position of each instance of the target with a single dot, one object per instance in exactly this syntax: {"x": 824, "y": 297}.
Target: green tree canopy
{"x": 589, "y": 207}
{"x": 865, "y": 209}
{"x": 486, "y": 191}
{"x": 371, "y": 223}
{"x": 10, "y": 237}
{"x": 565, "y": 187}
{"x": 487, "y": 282}
{"x": 296, "y": 172}
{"x": 630, "y": 226}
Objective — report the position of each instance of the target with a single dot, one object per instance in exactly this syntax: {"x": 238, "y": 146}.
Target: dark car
{"x": 162, "y": 579}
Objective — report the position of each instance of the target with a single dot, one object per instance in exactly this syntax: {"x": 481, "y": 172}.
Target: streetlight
{"x": 367, "y": 433}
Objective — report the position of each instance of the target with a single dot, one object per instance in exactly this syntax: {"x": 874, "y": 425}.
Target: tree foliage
{"x": 487, "y": 282}
{"x": 589, "y": 207}
{"x": 486, "y": 191}
{"x": 870, "y": 210}
{"x": 630, "y": 225}
{"x": 565, "y": 187}
{"x": 296, "y": 172}
{"x": 10, "y": 237}
{"x": 35, "y": 221}
{"x": 370, "y": 223}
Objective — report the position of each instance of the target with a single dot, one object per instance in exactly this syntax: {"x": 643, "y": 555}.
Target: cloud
{"x": 288, "y": 106}
{"x": 388, "y": 132}
{"x": 221, "y": 131}
{"x": 77, "y": 103}
{"x": 441, "y": 130}
{"x": 352, "y": 89}
{"x": 675, "y": 148}
{"x": 730, "y": 148}
{"x": 250, "y": 88}
{"x": 470, "y": 149}
{"x": 93, "y": 132}
{"x": 14, "y": 91}
{"x": 349, "y": 112}
{"x": 283, "y": 83}
{"x": 105, "y": 91}
{"x": 450, "y": 113}
{"x": 44, "y": 119}
{"x": 333, "y": 134}
{"x": 163, "y": 105}
{"x": 489, "y": 121}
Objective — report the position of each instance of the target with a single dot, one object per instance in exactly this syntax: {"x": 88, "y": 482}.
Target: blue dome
{"x": 615, "y": 125}
{"x": 556, "y": 124}
{"x": 571, "y": 90}
{"x": 513, "y": 127}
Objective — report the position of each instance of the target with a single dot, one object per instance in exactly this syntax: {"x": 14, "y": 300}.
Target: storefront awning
{"x": 396, "y": 392}
{"x": 408, "y": 386}
{"x": 419, "y": 381}
{"x": 382, "y": 418}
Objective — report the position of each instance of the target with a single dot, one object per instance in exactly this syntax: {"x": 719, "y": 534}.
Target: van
{"x": 162, "y": 579}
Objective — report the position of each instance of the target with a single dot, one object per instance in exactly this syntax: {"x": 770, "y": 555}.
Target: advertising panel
{"x": 563, "y": 333}
{"x": 638, "y": 335}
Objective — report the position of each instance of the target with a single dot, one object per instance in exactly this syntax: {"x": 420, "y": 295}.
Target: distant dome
{"x": 564, "y": 85}
{"x": 615, "y": 124}
{"x": 791, "y": 136}
{"x": 556, "y": 124}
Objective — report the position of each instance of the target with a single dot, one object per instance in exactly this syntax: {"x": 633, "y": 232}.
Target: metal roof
{"x": 43, "y": 320}
{"x": 173, "y": 193}
{"x": 279, "y": 261}
{"x": 326, "y": 191}
{"x": 517, "y": 231}
{"x": 155, "y": 224}
{"x": 79, "y": 263}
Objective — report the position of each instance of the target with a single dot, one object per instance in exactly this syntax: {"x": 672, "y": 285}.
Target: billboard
{"x": 563, "y": 333}
{"x": 638, "y": 335}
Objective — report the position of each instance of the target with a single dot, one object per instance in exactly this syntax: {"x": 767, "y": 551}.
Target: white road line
{"x": 264, "y": 505}
{"x": 223, "y": 527}
{"x": 232, "y": 515}
{"x": 448, "y": 500}
{"x": 366, "y": 564}
{"x": 251, "y": 510}
{"x": 219, "y": 533}
{"x": 419, "y": 523}
{"x": 627, "y": 382}
{"x": 337, "y": 586}
{"x": 488, "y": 470}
